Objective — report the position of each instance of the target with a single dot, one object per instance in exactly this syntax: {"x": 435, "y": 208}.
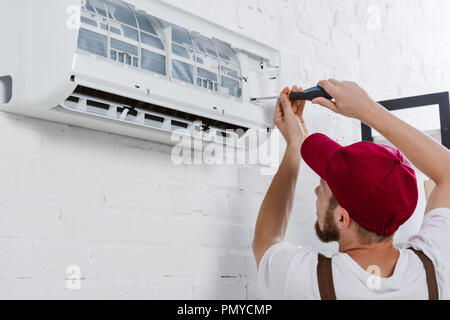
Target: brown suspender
{"x": 325, "y": 278}
{"x": 326, "y": 285}
{"x": 433, "y": 291}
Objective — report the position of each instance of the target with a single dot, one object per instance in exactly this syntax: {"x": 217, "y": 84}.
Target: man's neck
{"x": 383, "y": 255}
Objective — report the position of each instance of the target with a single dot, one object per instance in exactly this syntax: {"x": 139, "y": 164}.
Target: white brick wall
{"x": 140, "y": 227}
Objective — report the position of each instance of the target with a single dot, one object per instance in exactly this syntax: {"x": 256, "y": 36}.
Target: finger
{"x": 301, "y": 108}
{"x": 325, "y": 103}
{"x": 286, "y": 104}
{"x": 329, "y": 87}
{"x": 284, "y": 91}
{"x": 278, "y": 114}
{"x": 278, "y": 108}
{"x": 301, "y": 105}
{"x": 305, "y": 129}
{"x": 278, "y": 103}
{"x": 297, "y": 89}
{"x": 334, "y": 81}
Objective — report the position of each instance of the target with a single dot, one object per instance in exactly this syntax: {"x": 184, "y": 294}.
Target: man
{"x": 366, "y": 192}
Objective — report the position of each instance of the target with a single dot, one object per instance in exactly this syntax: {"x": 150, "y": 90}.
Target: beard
{"x": 330, "y": 232}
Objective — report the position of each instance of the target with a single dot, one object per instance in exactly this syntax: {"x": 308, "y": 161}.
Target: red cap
{"x": 374, "y": 183}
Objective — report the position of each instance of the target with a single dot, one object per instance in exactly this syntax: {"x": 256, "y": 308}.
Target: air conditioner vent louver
{"x": 97, "y": 103}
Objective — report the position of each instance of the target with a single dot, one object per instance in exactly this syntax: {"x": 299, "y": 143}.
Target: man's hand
{"x": 289, "y": 119}
{"x": 424, "y": 152}
{"x": 350, "y": 99}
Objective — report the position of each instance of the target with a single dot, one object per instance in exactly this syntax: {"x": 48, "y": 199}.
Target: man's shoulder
{"x": 287, "y": 269}
{"x": 433, "y": 238}
{"x": 288, "y": 249}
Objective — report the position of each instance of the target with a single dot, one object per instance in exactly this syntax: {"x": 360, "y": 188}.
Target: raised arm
{"x": 275, "y": 210}
{"x": 424, "y": 152}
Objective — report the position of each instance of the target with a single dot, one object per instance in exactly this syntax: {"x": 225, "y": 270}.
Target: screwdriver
{"x": 309, "y": 94}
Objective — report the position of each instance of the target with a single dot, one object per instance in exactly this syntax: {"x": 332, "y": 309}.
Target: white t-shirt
{"x": 290, "y": 272}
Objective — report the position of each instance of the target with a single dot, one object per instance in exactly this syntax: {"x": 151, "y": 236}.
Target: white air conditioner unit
{"x": 141, "y": 68}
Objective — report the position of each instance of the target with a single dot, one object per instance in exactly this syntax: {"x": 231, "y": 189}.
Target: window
{"x": 429, "y": 113}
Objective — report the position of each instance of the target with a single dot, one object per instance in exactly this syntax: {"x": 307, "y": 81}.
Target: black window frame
{"x": 441, "y": 99}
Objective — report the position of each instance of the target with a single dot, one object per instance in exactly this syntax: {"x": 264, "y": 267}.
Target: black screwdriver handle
{"x": 309, "y": 94}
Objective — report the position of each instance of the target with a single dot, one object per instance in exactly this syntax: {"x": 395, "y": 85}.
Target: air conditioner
{"x": 141, "y": 68}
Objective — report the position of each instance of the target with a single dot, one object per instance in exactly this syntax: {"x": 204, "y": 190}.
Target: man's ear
{"x": 343, "y": 218}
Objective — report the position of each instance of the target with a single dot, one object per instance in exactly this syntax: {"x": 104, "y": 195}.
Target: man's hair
{"x": 365, "y": 236}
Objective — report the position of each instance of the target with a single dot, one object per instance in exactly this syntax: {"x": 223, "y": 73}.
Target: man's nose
{"x": 316, "y": 190}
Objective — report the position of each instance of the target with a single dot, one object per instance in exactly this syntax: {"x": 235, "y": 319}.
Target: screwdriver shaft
{"x": 264, "y": 98}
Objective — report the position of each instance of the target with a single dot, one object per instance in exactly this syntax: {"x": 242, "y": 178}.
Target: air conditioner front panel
{"x": 151, "y": 88}
{"x": 145, "y": 50}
